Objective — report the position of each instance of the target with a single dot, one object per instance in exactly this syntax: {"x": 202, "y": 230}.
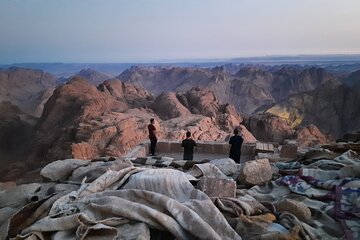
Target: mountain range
{"x": 91, "y": 114}
{"x": 248, "y": 89}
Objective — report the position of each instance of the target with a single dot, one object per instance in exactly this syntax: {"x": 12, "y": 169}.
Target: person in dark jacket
{"x": 235, "y": 149}
{"x": 152, "y": 136}
{"x": 188, "y": 144}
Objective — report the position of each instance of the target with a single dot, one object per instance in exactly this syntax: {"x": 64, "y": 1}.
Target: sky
{"x": 161, "y": 30}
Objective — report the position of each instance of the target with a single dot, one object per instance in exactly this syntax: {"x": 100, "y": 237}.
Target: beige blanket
{"x": 164, "y": 199}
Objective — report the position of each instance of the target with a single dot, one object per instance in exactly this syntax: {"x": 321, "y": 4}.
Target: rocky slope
{"x": 248, "y": 89}
{"x": 26, "y": 88}
{"x": 290, "y": 81}
{"x": 331, "y": 107}
{"x": 269, "y": 128}
{"x": 168, "y": 106}
{"x": 199, "y": 112}
{"x": 159, "y": 79}
{"x": 15, "y": 131}
{"x": 87, "y": 122}
{"x": 311, "y": 136}
{"x": 353, "y": 78}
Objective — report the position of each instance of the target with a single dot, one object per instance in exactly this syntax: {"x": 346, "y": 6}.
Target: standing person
{"x": 152, "y": 136}
{"x": 188, "y": 144}
{"x": 235, "y": 149}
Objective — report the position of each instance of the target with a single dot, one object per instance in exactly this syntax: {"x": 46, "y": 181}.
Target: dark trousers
{"x": 235, "y": 156}
{"x": 153, "y": 142}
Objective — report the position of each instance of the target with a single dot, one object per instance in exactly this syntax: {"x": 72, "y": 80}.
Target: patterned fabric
{"x": 166, "y": 162}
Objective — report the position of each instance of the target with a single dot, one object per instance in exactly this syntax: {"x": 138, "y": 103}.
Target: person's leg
{"x": 155, "y": 141}
{"x": 152, "y": 146}
{"x": 235, "y": 157}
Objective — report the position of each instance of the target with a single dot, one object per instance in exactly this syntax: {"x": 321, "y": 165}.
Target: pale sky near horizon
{"x": 153, "y": 30}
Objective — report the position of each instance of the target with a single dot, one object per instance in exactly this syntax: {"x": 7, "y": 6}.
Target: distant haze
{"x": 160, "y": 30}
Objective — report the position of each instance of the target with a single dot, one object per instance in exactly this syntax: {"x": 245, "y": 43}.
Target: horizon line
{"x": 198, "y": 60}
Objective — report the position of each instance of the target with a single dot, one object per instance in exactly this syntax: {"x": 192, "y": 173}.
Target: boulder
{"x": 256, "y": 172}
{"x": 289, "y": 151}
{"x": 61, "y": 170}
{"x": 217, "y": 187}
{"x": 226, "y": 165}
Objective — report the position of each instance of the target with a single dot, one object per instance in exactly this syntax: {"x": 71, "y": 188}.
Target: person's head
{"x": 188, "y": 134}
{"x": 236, "y": 131}
{"x": 152, "y": 121}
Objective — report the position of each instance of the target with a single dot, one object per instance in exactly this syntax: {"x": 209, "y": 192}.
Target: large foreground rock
{"x": 61, "y": 170}
{"x": 217, "y": 187}
{"x": 255, "y": 172}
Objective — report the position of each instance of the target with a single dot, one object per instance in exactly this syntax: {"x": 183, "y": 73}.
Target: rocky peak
{"x": 26, "y": 88}
{"x": 252, "y": 71}
{"x": 168, "y": 106}
{"x": 200, "y": 101}
{"x": 93, "y": 76}
{"x": 134, "y": 95}
{"x": 72, "y": 100}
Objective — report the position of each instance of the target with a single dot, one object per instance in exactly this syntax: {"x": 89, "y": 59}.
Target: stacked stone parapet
{"x": 206, "y": 147}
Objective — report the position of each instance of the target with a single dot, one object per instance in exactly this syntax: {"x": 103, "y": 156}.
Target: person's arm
{"x": 154, "y": 131}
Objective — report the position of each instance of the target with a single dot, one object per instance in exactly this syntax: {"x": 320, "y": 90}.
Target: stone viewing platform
{"x": 204, "y": 150}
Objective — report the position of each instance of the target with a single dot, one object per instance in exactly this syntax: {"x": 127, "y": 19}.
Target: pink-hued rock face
{"x": 87, "y": 122}
{"x": 311, "y": 136}
{"x": 269, "y": 128}
{"x": 168, "y": 106}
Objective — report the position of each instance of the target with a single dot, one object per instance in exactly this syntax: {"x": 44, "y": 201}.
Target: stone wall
{"x": 207, "y": 147}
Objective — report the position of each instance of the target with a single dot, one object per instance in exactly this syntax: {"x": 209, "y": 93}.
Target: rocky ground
{"x": 291, "y": 194}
